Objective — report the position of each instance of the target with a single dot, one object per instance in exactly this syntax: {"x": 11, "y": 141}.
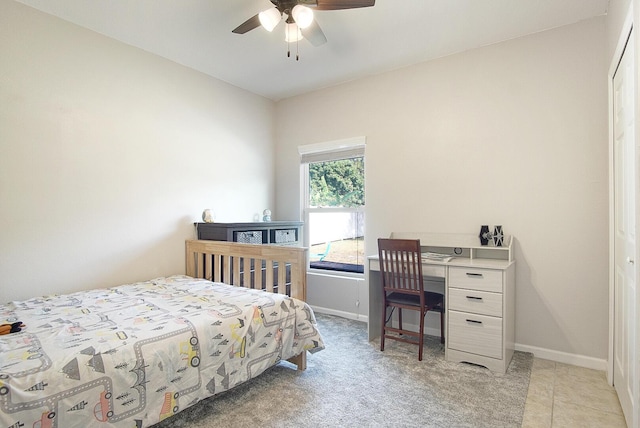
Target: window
{"x": 334, "y": 198}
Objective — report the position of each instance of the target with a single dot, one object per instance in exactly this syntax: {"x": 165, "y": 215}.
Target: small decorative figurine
{"x": 11, "y": 328}
{"x": 207, "y": 216}
{"x": 266, "y": 215}
{"x": 498, "y": 236}
{"x": 485, "y": 235}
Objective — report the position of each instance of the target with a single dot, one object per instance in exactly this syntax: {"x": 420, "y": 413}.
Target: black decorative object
{"x": 498, "y": 236}
{"x": 485, "y": 235}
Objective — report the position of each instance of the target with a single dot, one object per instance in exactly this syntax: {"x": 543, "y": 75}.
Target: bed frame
{"x": 237, "y": 264}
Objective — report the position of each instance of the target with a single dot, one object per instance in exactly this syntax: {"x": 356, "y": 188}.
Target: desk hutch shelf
{"x": 461, "y": 246}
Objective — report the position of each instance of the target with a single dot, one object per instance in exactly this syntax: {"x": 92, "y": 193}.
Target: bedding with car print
{"x": 133, "y": 355}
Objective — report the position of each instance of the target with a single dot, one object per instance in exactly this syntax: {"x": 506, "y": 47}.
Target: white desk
{"x": 479, "y": 288}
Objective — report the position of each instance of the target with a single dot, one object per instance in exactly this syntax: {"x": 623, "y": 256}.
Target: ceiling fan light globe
{"x": 302, "y": 15}
{"x": 292, "y": 33}
{"x": 269, "y": 18}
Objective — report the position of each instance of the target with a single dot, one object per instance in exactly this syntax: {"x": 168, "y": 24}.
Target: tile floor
{"x": 562, "y": 395}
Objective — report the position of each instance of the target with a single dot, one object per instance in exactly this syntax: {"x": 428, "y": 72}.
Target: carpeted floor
{"x": 352, "y": 384}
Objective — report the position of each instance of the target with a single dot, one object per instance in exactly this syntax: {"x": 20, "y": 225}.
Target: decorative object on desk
{"x": 485, "y": 235}
{"x": 207, "y": 216}
{"x": 266, "y": 215}
{"x": 498, "y": 236}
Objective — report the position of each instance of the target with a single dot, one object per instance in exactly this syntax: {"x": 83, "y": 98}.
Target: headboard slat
{"x": 249, "y": 265}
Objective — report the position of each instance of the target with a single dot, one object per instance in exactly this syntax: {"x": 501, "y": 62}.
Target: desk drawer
{"x": 476, "y": 334}
{"x": 476, "y": 279}
{"x": 428, "y": 270}
{"x": 477, "y": 302}
{"x": 433, "y": 270}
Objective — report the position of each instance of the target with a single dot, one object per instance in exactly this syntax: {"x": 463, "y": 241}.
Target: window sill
{"x": 337, "y": 269}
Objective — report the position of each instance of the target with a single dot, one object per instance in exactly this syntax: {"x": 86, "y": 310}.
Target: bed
{"x": 133, "y": 355}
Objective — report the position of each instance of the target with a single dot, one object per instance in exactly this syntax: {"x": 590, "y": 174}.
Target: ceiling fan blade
{"x": 343, "y": 4}
{"x": 314, "y": 34}
{"x": 248, "y": 25}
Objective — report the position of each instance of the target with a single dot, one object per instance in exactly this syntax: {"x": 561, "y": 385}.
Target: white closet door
{"x": 625, "y": 316}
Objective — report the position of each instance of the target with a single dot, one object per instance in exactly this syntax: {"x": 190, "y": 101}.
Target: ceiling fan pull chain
{"x": 288, "y": 42}
{"x": 297, "y": 55}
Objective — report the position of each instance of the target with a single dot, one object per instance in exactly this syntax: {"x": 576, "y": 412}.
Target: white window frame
{"x": 323, "y": 152}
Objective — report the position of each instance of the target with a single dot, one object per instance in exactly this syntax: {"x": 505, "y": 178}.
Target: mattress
{"x": 133, "y": 355}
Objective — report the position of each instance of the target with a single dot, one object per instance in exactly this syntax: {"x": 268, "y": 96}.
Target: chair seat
{"x": 432, "y": 300}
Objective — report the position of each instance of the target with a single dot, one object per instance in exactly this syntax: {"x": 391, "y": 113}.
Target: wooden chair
{"x": 403, "y": 288}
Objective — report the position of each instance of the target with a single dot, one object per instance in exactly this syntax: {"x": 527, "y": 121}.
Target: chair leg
{"x": 442, "y": 326}
{"x": 400, "y": 319}
{"x": 421, "y": 338}
{"x": 384, "y": 317}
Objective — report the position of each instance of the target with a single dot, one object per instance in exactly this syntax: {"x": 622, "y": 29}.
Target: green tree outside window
{"x": 337, "y": 183}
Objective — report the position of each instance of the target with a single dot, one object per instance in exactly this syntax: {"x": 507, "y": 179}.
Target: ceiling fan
{"x": 300, "y": 22}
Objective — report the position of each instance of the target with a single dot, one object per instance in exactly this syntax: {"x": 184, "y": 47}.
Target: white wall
{"x": 512, "y": 134}
{"x": 616, "y": 14}
{"x": 108, "y": 154}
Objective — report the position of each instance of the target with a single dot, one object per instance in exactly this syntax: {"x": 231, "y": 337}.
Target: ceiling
{"x": 361, "y": 42}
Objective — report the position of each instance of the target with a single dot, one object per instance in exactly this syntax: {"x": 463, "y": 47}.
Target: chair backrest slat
{"x": 401, "y": 265}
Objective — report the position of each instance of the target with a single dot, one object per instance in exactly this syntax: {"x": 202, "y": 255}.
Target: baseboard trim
{"x": 429, "y": 331}
{"x": 564, "y": 357}
{"x": 546, "y": 354}
{"x": 343, "y": 314}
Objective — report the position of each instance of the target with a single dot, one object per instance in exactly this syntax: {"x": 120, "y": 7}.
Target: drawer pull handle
{"x": 474, "y": 321}
{"x": 474, "y": 298}
{"x": 474, "y": 275}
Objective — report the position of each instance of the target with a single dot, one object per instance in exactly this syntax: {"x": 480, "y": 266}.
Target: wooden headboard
{"x": 236, "y": 264}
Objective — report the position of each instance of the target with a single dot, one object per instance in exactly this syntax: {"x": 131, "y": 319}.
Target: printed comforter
{"x": 133, "y": 355}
